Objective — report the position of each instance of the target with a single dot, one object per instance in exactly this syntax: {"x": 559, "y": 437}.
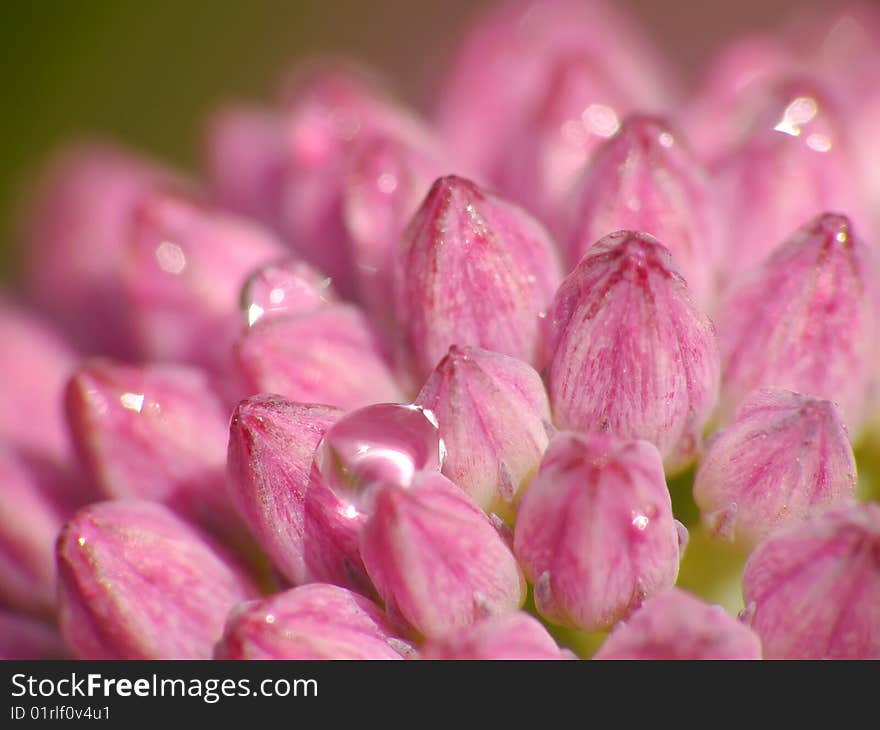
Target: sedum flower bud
{"x": 804, "y": 320}
{"x": 784, "y": 456}
{"x": 33, "y": 373}
{"x": 676, "y": 625}
{"x": 36, "y": 498}
{"x": 284, "y": 288}
{"x": 474, "y": 270}
{"x": 305, "y": 531}
{"x": 386, "y": 182}
{"x": 494, "y": 419}
{"x": 184, "y": 270}
{"x": 155, "y": 432}
{"x": 245, "y": 158}
{"x": 329, "y": 109}
{"x": 505, "y": 59}
{"x": 513, "y": 636}
{"x": 78, "y": 224}
{"x": 435, "y": 558}
{"x": 331, "y": 355}
{"x": 136, "y": 582}
{"x": 595, "y": 531}
{"x": 26, "y": 638}
{"x": 316, "y": 621}
{"x": 812, "y": 590}
{"x": 795, "y": 162}
{"x": 630, "y": 352}
{"x": 645, "y": 179}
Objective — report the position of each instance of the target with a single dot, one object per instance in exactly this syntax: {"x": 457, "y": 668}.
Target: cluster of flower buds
{"x": 393, "y": 387}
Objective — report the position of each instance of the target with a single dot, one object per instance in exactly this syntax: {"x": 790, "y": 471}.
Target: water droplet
{"x": 384, "y": 444}
{"x": 284, "y": 287}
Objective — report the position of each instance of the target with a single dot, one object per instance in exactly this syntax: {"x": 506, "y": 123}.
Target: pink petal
{"x": 512, "y": 636}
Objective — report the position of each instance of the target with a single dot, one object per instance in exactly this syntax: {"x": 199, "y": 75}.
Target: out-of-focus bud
{"x": 36, "y": 498}
{"x": 495, "y": 421}
{"x": 474, "y": 270}
{"x": 328, "y": 110}
{"x": 733, "y": 89}
{"x": 155, "y": 432}
{"x": 316, "y": 621}
{"x": 645, "y": 179}
{"x": 812, "y": 590}
{"x": 136, "y": 582}
{"x": 34, "y": 367}
{"x": 795, "y": 162}
{"x": 331, "y": 355}
{"x": 384, "y": 186}
{"x": 78, "y": 225}
{"x": 676, "y": 625}
{"x": 435, "y": 558}
{"x": 184, "y": 269}
{"x": 514, "y": 636}
{"x": 804, "y": 320}
{"x": 581, "y": 109}
{"x": 785, "y": 456}
{"x": 245, "y": 159}
{"x": 303, "y": 528}
{"x": 501, "y": 71}
{"x": 284, "y": 288}
{"x": 25, "y": 638}
{"x": 595, "y": 531}
{"x": 630, "y": 352}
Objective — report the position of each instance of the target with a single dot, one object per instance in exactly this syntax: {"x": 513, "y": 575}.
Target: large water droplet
{"x": 385, "y": 444}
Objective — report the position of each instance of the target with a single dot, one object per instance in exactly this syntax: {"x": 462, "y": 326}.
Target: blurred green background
{"x": 147, "y": 73}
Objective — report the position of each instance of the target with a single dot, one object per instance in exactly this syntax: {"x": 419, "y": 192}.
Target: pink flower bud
{"x": 595, "y": 531}
{"x": 332, "y": 355}
{"x": 645, "y": 179}
{"x": 504, "y": 62}
{"x": 25, "y": 638}
{"x": 676, "y": 625}
{"x": 804, "y": 320}
{"x": 735, "y": 85}
{"x": 36, "y": 498}
{"x": 581, "y": 109}
{"x": 474, "y": 270}
{"x": 284, "y": 288}
{"x": 495, "y": 421}
{"x": 34, "y": 367}
{"x": 785, "y": 456}
{"x": 384, "y": 186}
{"x": 329, "y": 110}
{"x": 139, "y": 583}
{"x": 798, "y": 138}
{"x": 272, "y": 444}
{"x": 154, "y": 432}
{"x": 436, "y": 559}
{"x": 630, "y": 352}
{"x": 316, "y": 621}
{"x": 514, "y": 636}
{"x": 78, "y": 224}
{"x": 184, "y": 272}
{"x": 245, "y": 160}
{"x": 812, "y": 590}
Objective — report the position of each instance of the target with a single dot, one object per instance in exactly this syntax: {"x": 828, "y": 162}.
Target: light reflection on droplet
{"x": 819, "y": 142}
{"x": 387, "y": 183}
{"x": 601, "y": 120}
{"x": 666, "y": 139}
{"x": 797, "y": 113}
{"x": 81, "y": 541}
{"x": 270, "y": 618}
{"x": 132, "y": 401}
{"x": 170, "y": 257}
{"x": 640, "y": 521}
